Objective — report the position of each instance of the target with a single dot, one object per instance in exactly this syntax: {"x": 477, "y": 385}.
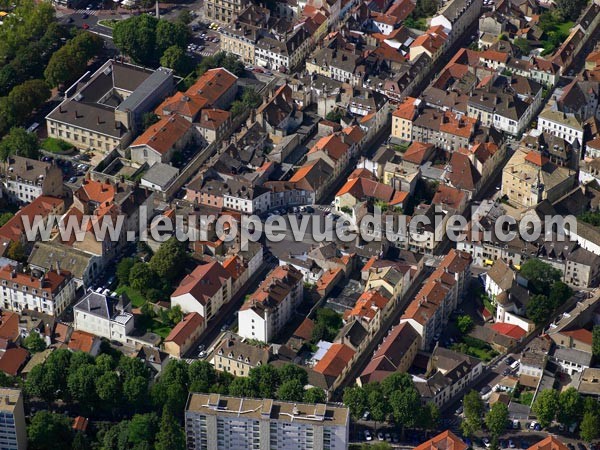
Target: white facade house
{"x": 104, "y": 316}
{"x": 13, "y": 429}
{"x": 204, "y": 291}
{"x": 250, "y": 200}
{"x": 49, "y": 293}
{"x": 563, "y": 125}
{"x": 270, "y": 307}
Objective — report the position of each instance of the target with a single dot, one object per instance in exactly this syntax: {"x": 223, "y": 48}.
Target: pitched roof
{"x": 332, "y": 145}
{"x": 184, "y": 329}
{"x": 164, "y": 134}
{"x": 581, "y": 335}
{"x": 41, "y": 206}
{"x": 417, "y": 152}
{"x": 536, "y": 159}
{"x": 335, "y": 360}
{"x": 463, "y": 175}
{"x": 446, "y": 440}
{"x": 304, "y": 330}
{"x": 203, "y": 282}
{"x": 407, "y": 109}
{"x": 80, "y": 423}
{"x": 50, "y": 282}
{"x": 510, "y": 330}
{"x": 213, "y": 84}
{"x": 312, "y": 175}
{"x": 12, "y": 359}
{"x": 367, "y": 306}
{"x": 9, "y": 326}
{"x": 449, "y": 197}
{"x": 81, "y": 341}
{"x": 182, "y": 104}
{"x": 213, "y": 118}
{"x": 550, "y": 443}
{"x": 274, "y": 289}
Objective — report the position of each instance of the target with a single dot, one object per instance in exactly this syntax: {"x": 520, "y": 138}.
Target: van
{"x": 515, "y": 365}
{"x": 34, "y": 126}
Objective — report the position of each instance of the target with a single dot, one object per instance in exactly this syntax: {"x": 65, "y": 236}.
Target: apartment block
{"x": 26, "y": 179}
{"x": 270, "y": 307}
{"x": 215, "y": 422}
{"x": 13, "y": 431}
{"x": 49, "y": 292}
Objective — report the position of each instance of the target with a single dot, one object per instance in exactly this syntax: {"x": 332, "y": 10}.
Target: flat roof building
{"x": 215, "y": 422}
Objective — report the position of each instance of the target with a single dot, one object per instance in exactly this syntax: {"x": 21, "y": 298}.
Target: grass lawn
{"x": 137, "y": 300}
{"x": 159, "y": 328}
{"x": 525, "y": 398}
{"x": 565, "y": 27}
{"x": 56, "y": 145}
{"x": 109, "y": 23}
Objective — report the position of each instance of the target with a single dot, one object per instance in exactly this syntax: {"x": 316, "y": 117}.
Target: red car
{"x": 85, "y": 26}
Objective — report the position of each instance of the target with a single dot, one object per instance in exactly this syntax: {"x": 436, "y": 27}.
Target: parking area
{"x": 205, "y": 39}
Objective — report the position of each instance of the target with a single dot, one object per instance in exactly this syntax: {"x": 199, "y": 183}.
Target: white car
{"x": 368, "y": 436}
{"x": 380, "y": 436}
{"x": 486, "y": 442}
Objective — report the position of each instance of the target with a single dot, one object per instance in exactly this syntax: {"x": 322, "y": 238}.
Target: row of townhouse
{"x": 430, "y": 311}
{"x": 259, "y": 38}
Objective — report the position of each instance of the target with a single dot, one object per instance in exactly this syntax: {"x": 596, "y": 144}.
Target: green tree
{"x": 27, "y": 97}
{"x": 430, "y": 416}
{"x": 570, "y": 407}
{"x": 290, "y": 391}
{"x": 396, "y": 382}
{"x": 185, "y": 17}
{"x": 108, "y": 389}
{"x": 291, "y": 371}
{"x": 169, "y": 34}
{"x": 314, "y": 395}
{"x": 405, "y": 407}
{"x": 251, "y": 98}
{"x": 355, "y": 398}
{"x": 5, "y": 217}
{"x": 82, "y": 385}
{"x": 378, "y": 406}
{"x": 170, "y": 259}
{"x": 170, "y": 435}
{"x": 335, "y": 115}
{"x": 142, "y": 429}
{"x": 596, "y": 340}
{"x": 265, "y": 379}
{"x": 523, "y": 45}
{"x": 496, "y": 419}
{"x": 540, "y": 275}
{"x": 242, "y": 387}
{"x": 539, "y": 309}
{"x": 70, "y": 62}
{"x": 141, "y": 277}
{"x": 570, "y": 9}
{"x": 175, "y": 58}
{"x": 136, "y": 37}
{"x": 464, "y": 324}
{"x": 19, "y": 142}
{"x": 49, "y": 431}
{"x": 16, "y": 251}
{"x": 202, "y": 376}
{"x": 376, "y": 446}
{"x": 124, "y": 269}
{"x": 34, "y": 342}
{"x": 80, "y": 441}
{"x": 589, "y": 429}
{"x": 135, "y": 391}
{"x": 559, "y": 293}
{"x": 149, "y": 119}
{"x": 473, "y": 413}
{"x": 546, "y": 406}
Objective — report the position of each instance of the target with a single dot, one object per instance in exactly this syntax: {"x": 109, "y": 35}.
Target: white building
{"x": 204, "y": 291}
{"x": 104, "y": 316}
{"x": 215, "y": 422}
{"x": 50, "y": 292}
{"x": 269, "y": 308}
{"x": 563, "y": 125}
{"x": 26, "y": 179}
{"x": 13, "y": 432}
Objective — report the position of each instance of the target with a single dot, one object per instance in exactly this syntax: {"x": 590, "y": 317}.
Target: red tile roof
{"x": 164, "y": 134}
{"x": 536, "y": 159}
{"x": 417, "y": 152}
{"x": 12, "y": 359}
{"x": 234, "y": 265}
{"x": 213, "y": 84}
{"x": 581, "y": 335}
{"x": 550, "y": 443}
{"x": 443, "y": 441}
{"x": 509, "y": 330}
{"x": 304, "y": 331}
{"x": 407, "y": 109}
{"x": 9, "y": 326}
{"x": 180, "y": 103}
{"x": 449, "y": 196}
{"x": 213, "y": 118}
{"x": 186, "y": 328}
{"x": 80, "y": 423}
{"x": 41, "y": 206}
{"x": 401, "y": 9}
{"x": 51, "y": 282}
{"x": 367, "y": 306}
{"x": 203, "y": 282}
{"x": 81, "y": 341}
{"x": 335, "y": 360}
{"x": 332, "y": 145}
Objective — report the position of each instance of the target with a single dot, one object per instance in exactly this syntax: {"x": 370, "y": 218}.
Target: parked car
{"x": 486, "y": 442}
{"x": 366, "y": 415}
{"x": 85, "y": 26}
{"x": 368, "y": 436}
{"x": 511, "y": 443}
{"x": 380, "y": 436}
